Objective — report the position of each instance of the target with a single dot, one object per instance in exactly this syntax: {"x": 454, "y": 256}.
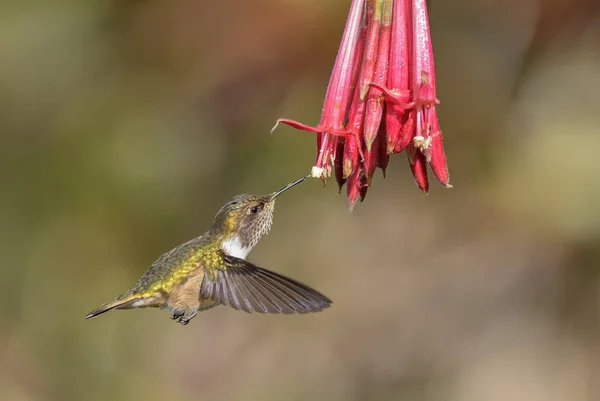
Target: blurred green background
{"x": 125, "y": 125}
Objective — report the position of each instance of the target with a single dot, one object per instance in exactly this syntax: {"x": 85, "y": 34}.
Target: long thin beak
{"x": 288, "y": 186}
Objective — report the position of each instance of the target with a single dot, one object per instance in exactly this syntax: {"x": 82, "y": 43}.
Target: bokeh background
{"x": 125, "y": 125}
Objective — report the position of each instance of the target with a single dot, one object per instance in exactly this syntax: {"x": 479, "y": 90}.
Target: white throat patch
{"x": 233, "y": 247}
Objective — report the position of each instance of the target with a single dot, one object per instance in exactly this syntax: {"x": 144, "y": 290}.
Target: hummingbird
{"x": 212, "y": 270}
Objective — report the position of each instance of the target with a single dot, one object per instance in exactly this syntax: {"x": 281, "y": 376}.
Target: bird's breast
{"x": 233, "y": 246}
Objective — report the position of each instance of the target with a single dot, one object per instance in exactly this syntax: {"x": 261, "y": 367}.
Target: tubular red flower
{"x": 437, "y": 160}
{"x": 370, "y": 162}
{"x": 339, "y": 91}
{"x": 375, "y": 98}
{"x": 371, "y": 39}
{"x": 381, "y": 99}
{"x": 374, "y": 9}
{"x": 418, "y": 166}
{"x": 398, "y": 76}
{"x": 353, "y": 149}
{"x": 423, "y": 85}
{"x": 350, "y": 155}
{"x": 357, "y": 108}
{"x": 353, "y": 187}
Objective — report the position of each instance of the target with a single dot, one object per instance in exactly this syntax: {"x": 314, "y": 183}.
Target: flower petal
{"x": 418, "y": 166}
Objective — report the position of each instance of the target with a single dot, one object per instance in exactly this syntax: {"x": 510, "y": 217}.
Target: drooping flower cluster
{"x": 381, "y": 99}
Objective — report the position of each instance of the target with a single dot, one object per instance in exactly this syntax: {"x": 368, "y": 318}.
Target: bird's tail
{"x": 125, "y": 301}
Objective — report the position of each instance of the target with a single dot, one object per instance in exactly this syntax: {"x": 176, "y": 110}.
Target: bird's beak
{"x": 288, "y": 186}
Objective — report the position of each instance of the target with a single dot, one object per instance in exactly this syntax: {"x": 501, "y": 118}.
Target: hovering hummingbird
{"x": 211, "y": 270}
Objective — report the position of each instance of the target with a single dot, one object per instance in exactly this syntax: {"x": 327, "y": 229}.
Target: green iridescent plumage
{"x": 175, "y": 265}
{"x": 211, "y": 269}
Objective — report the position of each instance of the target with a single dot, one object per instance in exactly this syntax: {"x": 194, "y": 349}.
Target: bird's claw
{"x": 183, "y": 318}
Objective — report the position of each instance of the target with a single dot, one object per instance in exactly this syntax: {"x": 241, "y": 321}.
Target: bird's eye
{"x": 254, "y": 209}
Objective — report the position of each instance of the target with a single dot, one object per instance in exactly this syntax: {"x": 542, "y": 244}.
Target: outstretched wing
{"x": 247, "y": 287}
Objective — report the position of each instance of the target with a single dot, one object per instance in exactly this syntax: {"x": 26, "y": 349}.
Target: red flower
{"x": 381, "y": 99}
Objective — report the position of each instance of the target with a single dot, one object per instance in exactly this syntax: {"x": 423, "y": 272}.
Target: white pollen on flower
{"x": 316, "y": 172}
{"x": 233, "y": 247}
{"x": 421, "y": 143}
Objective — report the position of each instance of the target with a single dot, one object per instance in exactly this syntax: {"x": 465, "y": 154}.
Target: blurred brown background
{"x": 126, "y": 124}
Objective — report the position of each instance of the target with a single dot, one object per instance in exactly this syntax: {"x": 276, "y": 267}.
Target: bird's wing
{"x": 247, "y": 287}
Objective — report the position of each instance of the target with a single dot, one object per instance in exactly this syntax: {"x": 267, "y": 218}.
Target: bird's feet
{"x": 183, "y": 317}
